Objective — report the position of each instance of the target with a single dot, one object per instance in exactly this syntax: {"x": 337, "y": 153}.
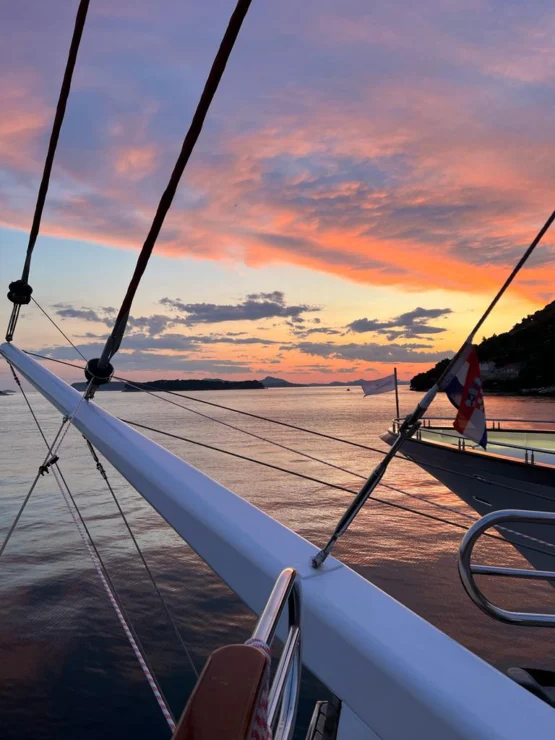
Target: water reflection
{"x": 66, "y": 669}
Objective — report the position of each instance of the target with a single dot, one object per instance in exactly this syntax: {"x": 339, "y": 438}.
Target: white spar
{"x": 399, "y": 675}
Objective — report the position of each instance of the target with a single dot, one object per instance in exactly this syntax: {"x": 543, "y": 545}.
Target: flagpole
{"x": 410, "y": 424}
{"x": 396, "y": 394}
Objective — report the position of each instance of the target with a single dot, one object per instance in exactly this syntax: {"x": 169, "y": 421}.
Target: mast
{"x": 398, "y": 414}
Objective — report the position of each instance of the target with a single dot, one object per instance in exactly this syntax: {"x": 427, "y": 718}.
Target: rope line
{"x": 102, "y": 471}
{"x": 48, "y": 457}
{"x": 315, "y": 459}
{"x": 65, "y": 336}
{"x": 117, "y": 604}
{"x": 333, "y": 485}
{"x": 99, "y": 566}
{"x": 338, "y": 487}
{"x": 214, "y": 77}
{"x": 51, "y": 152}
{"x": 368, "y": 448}
{"x": 252, "y": 416}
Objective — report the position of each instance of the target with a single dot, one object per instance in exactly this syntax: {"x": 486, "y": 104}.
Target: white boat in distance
{"x": 517, "y": 471}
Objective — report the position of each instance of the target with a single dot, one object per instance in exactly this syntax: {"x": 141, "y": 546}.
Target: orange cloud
{"x": 426, "y": 183}
{"x": 135, "y": 163}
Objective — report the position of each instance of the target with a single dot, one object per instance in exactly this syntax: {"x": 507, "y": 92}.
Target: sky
{"x": 367, "y": 177}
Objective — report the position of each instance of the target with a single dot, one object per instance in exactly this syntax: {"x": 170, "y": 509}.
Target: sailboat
{"x": 392, "y": 674}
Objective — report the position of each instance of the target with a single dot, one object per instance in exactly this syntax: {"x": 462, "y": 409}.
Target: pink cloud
{"x": 421, "y": 177}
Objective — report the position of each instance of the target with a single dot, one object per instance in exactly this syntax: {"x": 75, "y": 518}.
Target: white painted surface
{"x": 352, "y": 727}
{"x": 402, "y": 677}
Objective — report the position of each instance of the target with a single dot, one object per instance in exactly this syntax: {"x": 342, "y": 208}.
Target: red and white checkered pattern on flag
{"x": 463, "y": 386}
{"x": 260, "y": 729}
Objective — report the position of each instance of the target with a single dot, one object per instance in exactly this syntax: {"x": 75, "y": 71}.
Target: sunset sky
{"x": 367, "y": 177}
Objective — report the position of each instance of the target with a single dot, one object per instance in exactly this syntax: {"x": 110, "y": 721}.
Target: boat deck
{"x": 532, "y": 446}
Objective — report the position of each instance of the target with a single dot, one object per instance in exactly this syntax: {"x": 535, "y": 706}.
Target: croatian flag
{"x": 380, "y": 385}
{"x": 463, "y": 387}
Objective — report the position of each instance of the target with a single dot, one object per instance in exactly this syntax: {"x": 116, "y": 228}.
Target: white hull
{"x": 492, "y": 482}
{"x": 397, "y": 676}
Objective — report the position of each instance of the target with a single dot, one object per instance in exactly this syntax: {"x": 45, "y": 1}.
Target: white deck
{"x": 398, "y": 675}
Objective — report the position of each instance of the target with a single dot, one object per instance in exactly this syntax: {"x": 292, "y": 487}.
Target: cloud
{"x": 372, "y": 352}
{"x": 302, "y": 331}
{"x": 154, "y": 361}
{"x": 410, "y": 325}
{"x": 256, "y": 306}
{"x": 173, "y": 342}
{"x": 79, "y": 313}
{"x": 397, "y": 146}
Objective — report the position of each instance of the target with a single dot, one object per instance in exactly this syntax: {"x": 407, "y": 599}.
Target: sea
{"x": 66, "y": 668}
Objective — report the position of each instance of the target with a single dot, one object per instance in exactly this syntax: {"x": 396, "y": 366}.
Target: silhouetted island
{"x": 519, "y": 361}
{"x": 206, "y": 384}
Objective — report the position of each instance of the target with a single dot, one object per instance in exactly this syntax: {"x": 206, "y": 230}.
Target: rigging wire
{"x": 332, "y": 485}
{"x": 312, "y": 457}
{"x": 117, "y": 604}
{"x": 216, "y": 72}
{"x": 309, "y": 431}
{"x": 338, "y": 487}
{"x": 59, "y": 328}
{"x": 42, "y": 468}
{"x": 20, "y": 290}
{"x": 102, "y": 471}
{"x": 99, "y": 565}
{"x": 405, "y": 458}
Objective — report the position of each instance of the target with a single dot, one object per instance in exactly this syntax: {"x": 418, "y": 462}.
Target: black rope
{"x": 210, "y": 88}
{"x": 249, "y": 414}
{"x": 20, "y": 290}
{"x": 373, "y": 499}
{"x": 102, "y": 471}
{"x": 292, "y": 449}
{"x": 407, "y": 459}
{"x": 317, "y": 480}
{"x": 308, "y": 431}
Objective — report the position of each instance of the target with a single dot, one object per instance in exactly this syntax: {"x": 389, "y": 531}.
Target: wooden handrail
{"x": 226, "y": 696}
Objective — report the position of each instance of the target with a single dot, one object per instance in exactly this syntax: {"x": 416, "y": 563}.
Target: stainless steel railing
{"x": 528, "y": 451}
{"x": 284, "y": 692}
{"x": 467, "y": 570}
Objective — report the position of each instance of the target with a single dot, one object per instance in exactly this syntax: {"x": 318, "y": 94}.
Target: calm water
{"x": 66, "y": 670}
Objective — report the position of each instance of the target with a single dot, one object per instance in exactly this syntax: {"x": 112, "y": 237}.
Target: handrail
{"x": 284, "y": 693}
{"x": 496, "y": 419}
{"x": 491, "y": 443}
{"x": 467, "y": 570}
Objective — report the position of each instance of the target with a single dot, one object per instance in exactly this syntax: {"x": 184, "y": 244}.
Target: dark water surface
{"x": 66, "y": 669}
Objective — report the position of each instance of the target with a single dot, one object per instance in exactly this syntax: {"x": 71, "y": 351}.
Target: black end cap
{"x": 20, "y": 292}
{"x": 99, "y": 375}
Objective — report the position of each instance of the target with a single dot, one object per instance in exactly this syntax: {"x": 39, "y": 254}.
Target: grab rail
{"x": 491, "y": 443}
{"x": 467, "y": 570}
{"x": 492, "y": 424}
{"x": 284, "y": 693}
{"x": 463, "y": 444}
